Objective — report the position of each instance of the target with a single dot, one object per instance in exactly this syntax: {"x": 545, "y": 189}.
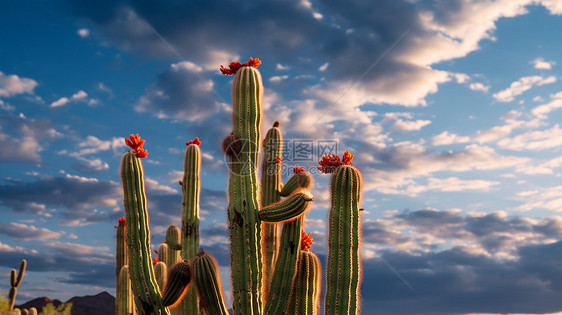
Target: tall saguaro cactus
{"x": 343, "y": 266}
{"x": 15, "y": 281}
{"x": 148, "y": 298}
{"x": 244, "y": 226}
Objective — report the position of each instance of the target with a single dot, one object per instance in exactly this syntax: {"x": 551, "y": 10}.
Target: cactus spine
{"x": 343, "y": 269}
{"x": 271, "y": 187}
{"x": 15, "y": 281}
{"x": 209, "y": 285}
{"x": 243, "y": 191}
{"x": 147, "y": 293}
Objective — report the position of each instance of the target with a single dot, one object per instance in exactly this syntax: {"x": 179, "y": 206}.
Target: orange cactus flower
{"x": 195, "y": 141}
{"x": 329, "y": 163}
{"x": 306, "y": 240}
{"x": 235, "y": 65}
{"x": 122, "y": 221}
{"x": 155, "y": 260}
{"x": 136, "y": 143}
{"x": 299, "y": 170}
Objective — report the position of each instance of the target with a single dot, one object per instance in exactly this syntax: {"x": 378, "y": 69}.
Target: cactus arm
{"x": 160, "y": 270}
{"x": 285, "y": 269}
{"x": 178, "y": 280}
{"x": 289, "y": 209}
{"x": 271, "y": 186}
{"x": 343, "y": 266}
{"x": 138, "y": 236}
{"x": 244, "y": 191}
{"x": 296, "y": 181}
{"x": 209, "y": 284}
{"x": 173, "y": 238}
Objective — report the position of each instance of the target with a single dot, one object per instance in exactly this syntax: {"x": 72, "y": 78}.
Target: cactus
{"x": 15, "y": 281}
{"x": 271, "y": 187}
{"x": 148, "y": 298}
{"x": 33, "y": 311}
{"x": 286, "y": 268}
{"x": 124, "y": 297}
{"x": 305, "y": 294}
{"x": 209, "y": 285}
{"x": 267, "y": 271}
{"x": 343, "y": 266}
{"x": 123, "y": 284}
{"x": 160, "y": 271}
{"x": 244, "y": 225}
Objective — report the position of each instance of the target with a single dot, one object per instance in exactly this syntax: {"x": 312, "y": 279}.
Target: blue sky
{"x": 451, "y": 108}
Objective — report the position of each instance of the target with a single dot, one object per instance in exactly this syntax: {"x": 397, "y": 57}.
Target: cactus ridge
{"x": 305, "y": 295}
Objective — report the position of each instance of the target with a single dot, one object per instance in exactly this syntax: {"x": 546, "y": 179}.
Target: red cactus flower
{"x": 136, "y": 143}
{"x": 122, "y": 221}
{"x": 195, "y": 141}
{"x": 278, "y": 160}
{"x": 299, "y": 170}
{"x": 329, "y": 163}
{"x": 235, "y": 65}
{"x": 155, "y": 260}
{"x": 156, "y": 251}
{"x": 347, "y": 158}
{"x": 306, "y": 240}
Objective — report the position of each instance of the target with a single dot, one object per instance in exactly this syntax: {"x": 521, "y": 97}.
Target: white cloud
{"x": 27, "y": 232}
{"x": 542, "y": 111}
{"x": 520, "y": 86}
{"x": 404, "y": 126}
{"x": 534, "y": 140}
{"x": 544, "y": 198}
{"x": 6, "y": 106}
{"x": 84, "y": 32}
{"x": 278, "y": 78}
{"x": 324, "y": 67}
{"x": 445, "y": 138}
{"x": 281, "y": 67}
{"x": 78, "y": 96}
{"x": 11, "y": 85}
{"x": 186, "y": 65}
{"x": 450, "y": 184}
{"x": 478, "y": 86}
{"x": 540, "y": 63}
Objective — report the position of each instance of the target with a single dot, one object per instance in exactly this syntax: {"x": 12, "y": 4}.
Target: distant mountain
{"x": 100, "y": 304}
{"x": 39, "y": 303}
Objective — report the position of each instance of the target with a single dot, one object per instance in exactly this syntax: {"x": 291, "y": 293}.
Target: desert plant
{"x": 253, "y": 206}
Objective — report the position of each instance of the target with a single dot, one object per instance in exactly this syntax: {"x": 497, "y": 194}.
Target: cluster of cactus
{"x": 15, "y": 280}
{"x": 273, "y": 270}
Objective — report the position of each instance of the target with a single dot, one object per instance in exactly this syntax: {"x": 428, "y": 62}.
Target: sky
{"x": 452, "y": 110}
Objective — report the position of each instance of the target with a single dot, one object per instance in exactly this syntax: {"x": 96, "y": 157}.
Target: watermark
{"x": 295, "y": 152}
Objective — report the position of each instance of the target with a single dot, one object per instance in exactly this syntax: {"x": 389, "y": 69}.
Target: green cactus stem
{"x": 285, "y": 269}
{"x": 179, "y": 278}
{"x": 271, "y": 186}
{"x": 300, "y": 179}
{"x": 305, "y": 295}
{"x": 124, "y": 298}
{"x": 343, "y": 265}
{"x": 121, "y": 256}
{"x": 291, "y": 208}
{"x": 244, "y": 191}
{"x": 191, "y": 189}
{"x": 160, "y": 271}
{"x": 147, "y": 293}
{"x": 15, "y": 281}
{"x": 209, "y": 285}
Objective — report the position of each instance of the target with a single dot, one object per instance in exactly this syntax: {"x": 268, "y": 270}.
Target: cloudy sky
{"x": 451, "y": 108}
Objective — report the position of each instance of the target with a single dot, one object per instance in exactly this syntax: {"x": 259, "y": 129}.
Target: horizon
{"x": 451, "y": 109}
